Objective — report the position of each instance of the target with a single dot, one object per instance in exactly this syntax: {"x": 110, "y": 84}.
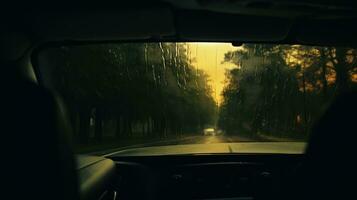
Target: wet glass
{"x": 155, "y": 94}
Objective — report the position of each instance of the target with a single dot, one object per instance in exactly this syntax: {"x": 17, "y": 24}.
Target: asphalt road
{"x": 184, "y": 140}
{"x": 213, "y": 145}
{"x": 208, "y": 140}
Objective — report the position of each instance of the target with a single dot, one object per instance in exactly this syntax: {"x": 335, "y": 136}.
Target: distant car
{"x": 209, "y": 132}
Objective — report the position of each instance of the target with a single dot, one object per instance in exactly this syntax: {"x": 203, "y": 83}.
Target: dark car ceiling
{"x": 316, "y": 22}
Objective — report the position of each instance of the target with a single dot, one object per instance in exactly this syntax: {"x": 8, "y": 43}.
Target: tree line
{"x": 143, "y": 89}
{"x": 279, "y": 90}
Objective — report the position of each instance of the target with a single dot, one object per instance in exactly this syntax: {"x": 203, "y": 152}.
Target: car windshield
{"x": 136, "y": 95}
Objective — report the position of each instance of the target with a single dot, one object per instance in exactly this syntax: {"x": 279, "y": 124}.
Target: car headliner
{"x": 295, "y": 22}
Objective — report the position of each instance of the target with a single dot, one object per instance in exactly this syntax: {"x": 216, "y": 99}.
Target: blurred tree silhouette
{"x": 148, "y": 89}
{"x": 279, "y": 90}
{"x": 151, "y": 90}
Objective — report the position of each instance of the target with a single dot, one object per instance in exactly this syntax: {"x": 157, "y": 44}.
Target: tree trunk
{"x": 323, "y": 62}
{"x": 98, "y": 132}
{"x": 143, "y": 128}
{"x": 324, "y": 81}
{"x": 74, "y": 122}
{"x": 118, "y": 128}
{"x": 150, "y": 126}
{"x": 147, "y": 127}
{"x": 341, "y": 68}
{"x": 84, "y": 127}
{"x": 342, "y": 78}
{"x": 130, "y": 126}
{"x": 125, "y": 128}
{"x": 304, "y": 102}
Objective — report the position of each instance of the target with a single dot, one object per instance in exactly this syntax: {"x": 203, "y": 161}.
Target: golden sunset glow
{"x": 209, "y": 56}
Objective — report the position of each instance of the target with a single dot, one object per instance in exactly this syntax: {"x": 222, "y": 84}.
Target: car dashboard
{"x": 203, "y": 176}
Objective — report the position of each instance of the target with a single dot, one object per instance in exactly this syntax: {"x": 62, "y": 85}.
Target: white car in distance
{"x": 209, "y": 132}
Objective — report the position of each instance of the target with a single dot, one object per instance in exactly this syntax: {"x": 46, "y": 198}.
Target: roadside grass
{"x": 265, "y": 137}
{"x": 272, "y": 138}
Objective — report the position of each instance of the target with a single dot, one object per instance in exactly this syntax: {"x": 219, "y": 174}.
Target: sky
{"x": 209, "y": 57}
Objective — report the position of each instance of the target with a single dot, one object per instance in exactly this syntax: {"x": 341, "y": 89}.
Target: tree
{"x": 147, "y": 85}
{"x": 279, "y": 89}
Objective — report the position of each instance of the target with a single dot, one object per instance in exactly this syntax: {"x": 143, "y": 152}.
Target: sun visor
{"x": 121, "y": 24}
{"x": 338, "y": 32}
{"x": 209, "y": 26}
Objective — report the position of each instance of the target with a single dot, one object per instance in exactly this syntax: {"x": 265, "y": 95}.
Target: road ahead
{"x": 211, "y": 145}
{"x": 208, "y": 140}
{"x": 184, "y": 140}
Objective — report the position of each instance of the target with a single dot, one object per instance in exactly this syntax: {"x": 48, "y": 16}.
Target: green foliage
{"x": 148, "y": 84}
{"x": 151, "y": 90}
{"x": 279, "y": 90}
